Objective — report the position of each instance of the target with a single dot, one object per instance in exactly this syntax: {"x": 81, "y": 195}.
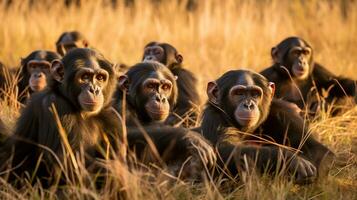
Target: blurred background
{"x": 213, "y": 36}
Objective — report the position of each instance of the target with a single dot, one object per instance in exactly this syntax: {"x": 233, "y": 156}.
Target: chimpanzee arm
{"x": 290, "y": 129}
{"x": 266, "y": 159}
{"x": 337, "y": 86}
{"x": 179, "y": 142}
{"x": 187, "y": 96}
{"x": 20, "y": 146}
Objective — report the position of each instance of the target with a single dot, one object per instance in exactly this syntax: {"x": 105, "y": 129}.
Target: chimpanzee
{"x": 242, "y": 118}
{"x": 300, "y": 80}
{"x": 70, "y": 40}
{"x": 79, "y": 96}
{"x": 34, "y": 72}
{"x": 150, "y": 92}
{"x": 188, "y": 98}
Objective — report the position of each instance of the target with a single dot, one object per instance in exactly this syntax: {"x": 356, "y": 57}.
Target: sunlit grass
{"x": 218, "y": 36}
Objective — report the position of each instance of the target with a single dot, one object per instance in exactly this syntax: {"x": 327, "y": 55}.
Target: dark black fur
{"x": 188, "y": 98}
{"x": 174, "y": 144}
{"x": 75, "y": 35}
{"x": 72, "y": 38}
{"x": 23, "y": 84}
{"x": 135, "y": 102}
{"x": 277, "y": 123}
{"x": 319, "y": 80}
{"x": 36, "y": 125}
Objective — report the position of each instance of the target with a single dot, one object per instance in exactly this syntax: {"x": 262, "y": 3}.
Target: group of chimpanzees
{"x": 78, "y": 103}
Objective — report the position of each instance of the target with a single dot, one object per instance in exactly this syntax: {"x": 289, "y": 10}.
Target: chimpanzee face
{"x": 298, "y": 59}
{"x": 91, "y": 81}
{"x": 245, "y": 98}
{"x": 67, "y": 42}
{"x": 163, "y": 53}
{"x": 151, "y": 90}
{"x": 154, "y": 53}
{"x": 157, "y": 90}
{"x": 296, "y": 55}
{"x": 84, "y": 77}
{"x": 38, "y": 70}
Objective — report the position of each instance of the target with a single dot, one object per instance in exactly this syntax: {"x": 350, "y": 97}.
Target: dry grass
{"x": 219, "y": 36}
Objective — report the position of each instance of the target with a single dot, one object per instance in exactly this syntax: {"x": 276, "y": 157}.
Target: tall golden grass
{"x": 218, "y": 36}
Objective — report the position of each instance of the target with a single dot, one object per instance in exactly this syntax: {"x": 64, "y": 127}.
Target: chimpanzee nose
{"x": 94, "y": 90}
{"x": 248, "y": 105}
{"x": 91, "y": 90}
{"x": 302, "y": 62}
{"x": 160, "y": 99}
{"x": 38, "y": 75}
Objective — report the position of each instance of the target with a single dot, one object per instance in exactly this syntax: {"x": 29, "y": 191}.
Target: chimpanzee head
{"x": 164, "y": 53}
{"x": 85, "y": 78}
{"x": 296, "y": 55}
{"x": 35, "y": 69}
{"x": 245, "y": 97}
{"x": 151, "y": 90}
{"x": 70, "y": 40}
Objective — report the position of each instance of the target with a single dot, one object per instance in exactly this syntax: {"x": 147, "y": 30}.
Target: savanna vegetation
{"x": 217, "y": 36}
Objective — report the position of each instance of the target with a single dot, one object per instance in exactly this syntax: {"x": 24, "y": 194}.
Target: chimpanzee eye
{"x": 85, "y": 77}
{"x": 256, "y": 94}
{"x": 238, "y": 92}
{"x": 31, "y": 66}
{"x": 150, "y": 85}
{"x": 100, "y": 77}
{"x": 166, "y": 87}
{"x": 306, "y": 52}
{"x": 156, "y": 51}
{"x": 295, "y": 53}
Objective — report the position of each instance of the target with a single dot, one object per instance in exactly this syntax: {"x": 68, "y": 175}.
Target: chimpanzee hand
{"x": 305, "y": 172}
{"x": 200, "y": 148}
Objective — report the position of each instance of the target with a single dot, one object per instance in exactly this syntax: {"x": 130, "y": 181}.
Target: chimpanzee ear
{"x": 57, "y": 70}
{"x": 179, "y": 58}
{"x": 271, "y": 87}
{"x": 85, "y": 43}
{"x": 123, "y": 82}
{"x": 212, "y": 92}
{"x": 275, "y": 55}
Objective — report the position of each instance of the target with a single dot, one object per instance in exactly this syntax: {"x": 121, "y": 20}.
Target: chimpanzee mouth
{"x": 37, "y": 87}
{"x": 157, "y": 111}
{"x": 299, "y": 72}
{"x": 90, "y": 103}
{"x": 246, "y": 118}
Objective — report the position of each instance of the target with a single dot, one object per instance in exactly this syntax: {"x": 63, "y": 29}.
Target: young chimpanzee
{"x": 70, "y": 40}
{"x": 242, "y": 118}
{"x": 34, "y": 72}
{"x": 150, "y": 92}
{"x": 74, "y": 39}
{"x": 300, "y": 80}
{"x": 78, "y": 99}
{"x": 188, "y": 98}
